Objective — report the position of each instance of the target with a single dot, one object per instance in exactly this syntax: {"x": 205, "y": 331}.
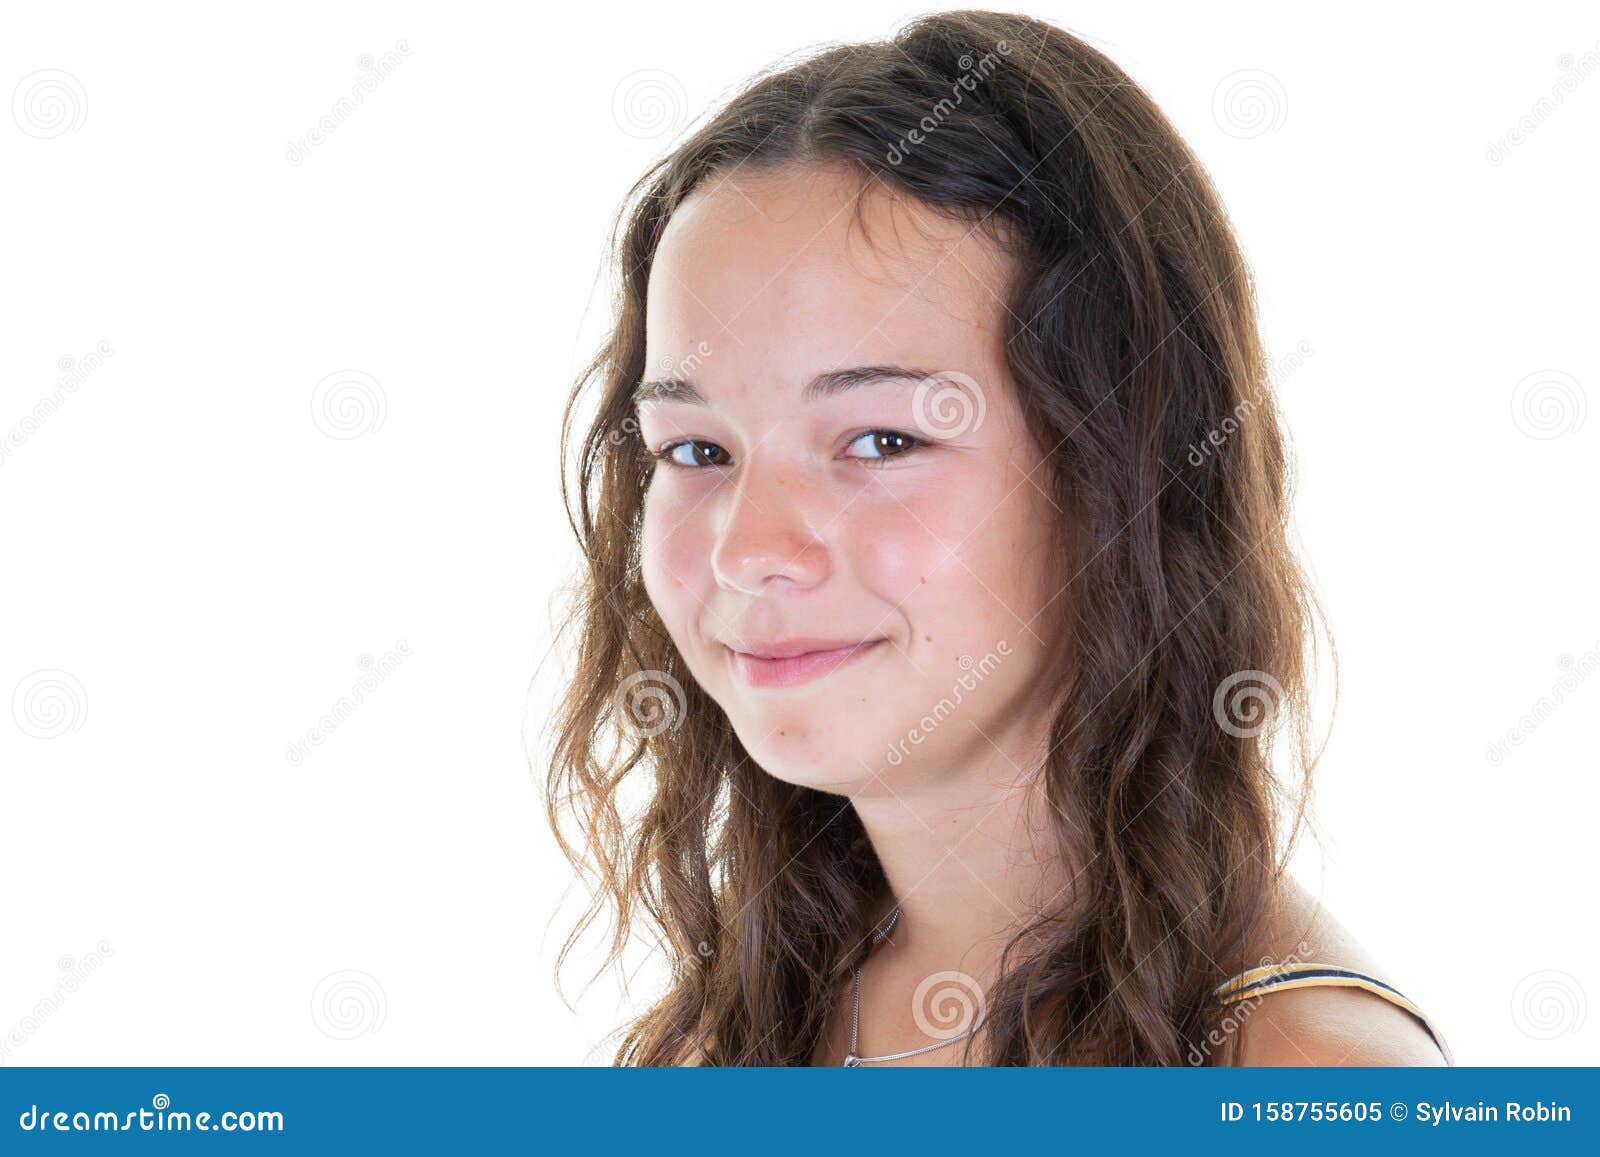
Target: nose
{"x": 766, "y": 538}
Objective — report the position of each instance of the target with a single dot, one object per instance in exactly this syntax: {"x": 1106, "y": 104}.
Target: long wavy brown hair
{"x": 1181, "y": 660}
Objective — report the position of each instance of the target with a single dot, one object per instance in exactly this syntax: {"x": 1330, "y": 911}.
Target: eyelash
{"x": 664, "y": 455}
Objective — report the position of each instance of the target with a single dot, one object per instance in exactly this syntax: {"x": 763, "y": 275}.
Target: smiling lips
{"x": 776, "y": 668}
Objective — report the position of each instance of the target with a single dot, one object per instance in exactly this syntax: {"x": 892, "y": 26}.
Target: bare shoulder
{"x": 1332, "y": 1026}
{"x": 1324, "y": 1025}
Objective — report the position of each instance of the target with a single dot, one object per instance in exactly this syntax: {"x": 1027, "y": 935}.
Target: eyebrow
{"x": 824, "y": 385}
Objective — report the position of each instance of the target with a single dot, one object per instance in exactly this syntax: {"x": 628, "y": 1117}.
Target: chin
{"x": 789, "y": 757}
{"x": 825, "y": 780}
{"x": 830, "y": 749}
{"x": 799, "y": 752}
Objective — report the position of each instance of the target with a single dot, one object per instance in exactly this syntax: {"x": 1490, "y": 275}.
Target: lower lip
{"x": 797, "y": 669}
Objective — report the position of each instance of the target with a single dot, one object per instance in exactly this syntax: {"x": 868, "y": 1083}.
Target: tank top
{"x": 1256, "y": 982}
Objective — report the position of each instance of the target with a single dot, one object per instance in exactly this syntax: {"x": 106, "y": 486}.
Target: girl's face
{"x": 844, "y": 463}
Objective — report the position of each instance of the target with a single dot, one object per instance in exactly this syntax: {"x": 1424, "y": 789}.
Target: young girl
{"x": 938, "y": 619}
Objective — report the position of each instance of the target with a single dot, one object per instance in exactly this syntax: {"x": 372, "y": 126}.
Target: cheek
{"x": 1011, "y": 553}
{"x": 900, "y": 550}
{"x": 675, "y": 561}
{"x": 965, "y": 560}
{"x": 893, "y": 547}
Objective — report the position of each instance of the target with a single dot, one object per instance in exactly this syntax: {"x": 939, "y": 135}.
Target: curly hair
{"x": 1131, "y": 335}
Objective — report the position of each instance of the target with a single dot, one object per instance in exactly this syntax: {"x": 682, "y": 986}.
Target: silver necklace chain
{"x": 852, "y": 1060}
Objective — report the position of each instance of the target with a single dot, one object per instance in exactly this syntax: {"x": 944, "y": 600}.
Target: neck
{"x": 972, "y": 853}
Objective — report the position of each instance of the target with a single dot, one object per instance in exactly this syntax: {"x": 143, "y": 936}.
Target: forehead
{"x": 779, "y": 276}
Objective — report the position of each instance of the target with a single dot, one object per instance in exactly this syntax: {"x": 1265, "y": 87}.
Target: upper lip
{"x": 789, "y": 648}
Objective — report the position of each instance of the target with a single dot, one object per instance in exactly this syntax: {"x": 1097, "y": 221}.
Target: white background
{"x": 208, "y": 565}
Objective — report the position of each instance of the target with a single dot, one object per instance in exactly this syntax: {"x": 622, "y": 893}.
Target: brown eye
{"x": 886, "y": 444}
{"x": 673, "y": 454}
